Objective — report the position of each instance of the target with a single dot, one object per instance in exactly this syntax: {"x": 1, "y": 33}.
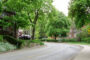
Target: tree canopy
{"x": 57, "y": 24}
{"x": 24, "y": 13}
{"x": 79, "y": 11}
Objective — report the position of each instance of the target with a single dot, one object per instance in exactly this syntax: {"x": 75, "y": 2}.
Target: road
{"x": 84, "y": 54}
{"x": 51, "y": 51}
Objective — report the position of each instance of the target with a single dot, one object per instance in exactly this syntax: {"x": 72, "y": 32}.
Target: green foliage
{"x": 13, "y": 40}
{"x": 37, "y": 41}
{"x": 25, "y": 13}
{"x": 58, "y": 23}
{"x": 6, "y": 47}
{"x": 84, "y": 32}
{"x": 74, "y": 40}
{"x": 0, "y": 7}
{"x": 27, "y": 43}
{"x": 49, "y": 40}
{"x": 18, "y": 15}
{"x": 69, "y": 40}
{"x": 40, "y": 28}
{"x": 21, "y": 43}
{"x": 79, "y": 11}
{"x": 86, "y": 39}
{"x": 1, "y": 38}
{"x": 36, "y": 12}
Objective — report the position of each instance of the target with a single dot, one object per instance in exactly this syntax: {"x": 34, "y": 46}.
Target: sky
{"x": 62, "y": 5}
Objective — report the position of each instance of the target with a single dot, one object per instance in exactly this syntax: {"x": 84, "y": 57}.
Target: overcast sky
{"x": 62, "y": 5}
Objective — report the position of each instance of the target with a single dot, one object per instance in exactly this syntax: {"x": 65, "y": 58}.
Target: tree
{"x": 36, "y": 10}
{"x": 85, "y": 32}
{"x": 25, "y": 11}
{"x": 58, "y": 23}
{"x": 14, "y": 14}
{"x": 40, "y": 28}
{"x": 0, "y": 6}
{"x": 79, "y": 12}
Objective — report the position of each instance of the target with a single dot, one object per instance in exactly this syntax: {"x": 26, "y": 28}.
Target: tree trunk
{"x": 15, "y": 30}
{"x": 79, "y": 37}
{"x": 33, "y": 33}
{"x": 34, "y": 26}
{"x": 55, "y": 37}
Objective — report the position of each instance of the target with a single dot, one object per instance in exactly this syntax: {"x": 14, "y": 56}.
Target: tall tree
{"x": 58, "y": 24}
{"x": 41, "y": 25}
{"x": 13, "y": 13}
{"x": 0, "y": 6}
{"x": 79, "y": 12}
{"x": 36, "y": 10}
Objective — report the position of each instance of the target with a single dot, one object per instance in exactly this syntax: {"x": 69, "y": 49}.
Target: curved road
{"x": 51, "y": 51}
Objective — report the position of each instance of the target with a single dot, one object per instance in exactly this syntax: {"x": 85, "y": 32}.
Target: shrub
{"x": 49, "y": 40}
{"x": 26, "y": 43}
{"x": 69, "y": 40}
{"x": 13, "y": 40}
{"x": 1, "y": 38}
{"x": 6, "y": 47}
{"x": 37, "y": 41}
{"x": 86, "y": 39}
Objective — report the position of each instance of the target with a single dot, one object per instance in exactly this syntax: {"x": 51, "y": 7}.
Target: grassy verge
{"x": 85, "y": 41}
{"x": 27, "y": 43}
{"x": 38, "y": 41}
{"x": 80, "y": 43}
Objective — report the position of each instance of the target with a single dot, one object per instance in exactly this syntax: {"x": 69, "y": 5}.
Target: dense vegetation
{"x": 43, "y": 20}
{"x": 58, "y": 24}
{"x": 79, "y": 12}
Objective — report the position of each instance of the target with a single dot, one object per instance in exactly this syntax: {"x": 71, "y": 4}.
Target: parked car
{"x": 26, "y": 37}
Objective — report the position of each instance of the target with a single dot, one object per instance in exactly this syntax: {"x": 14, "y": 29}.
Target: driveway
{"x": 51, "y": 51}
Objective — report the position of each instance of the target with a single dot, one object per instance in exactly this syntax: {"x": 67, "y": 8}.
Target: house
{"x": 72, "y": 33}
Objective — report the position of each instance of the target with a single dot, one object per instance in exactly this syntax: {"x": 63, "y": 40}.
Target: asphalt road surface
{"x": 51, "y": 51}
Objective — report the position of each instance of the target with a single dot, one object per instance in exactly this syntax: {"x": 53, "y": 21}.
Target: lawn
{"x": 81, "y": 43}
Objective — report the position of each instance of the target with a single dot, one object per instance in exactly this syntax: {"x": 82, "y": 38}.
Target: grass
{"x": 38, "y": 41}
{"x": 80, "y": 43}
{"x": 26, "y": 43}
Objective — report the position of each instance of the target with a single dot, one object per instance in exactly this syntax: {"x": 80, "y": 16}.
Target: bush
{"x": 86, "y": 39}
{"x": 69, "y": 40}
{"x": 1, "y": 38}
{"x": 59, "y": 40}
{"x": 26, "y": 43}
{"x": 37, "y": 41}
{"x": 6, "y": 47}
{"x": 13, "y": 40}
{"x": 21, "y": 43}
{"x": 49, "y": 40}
